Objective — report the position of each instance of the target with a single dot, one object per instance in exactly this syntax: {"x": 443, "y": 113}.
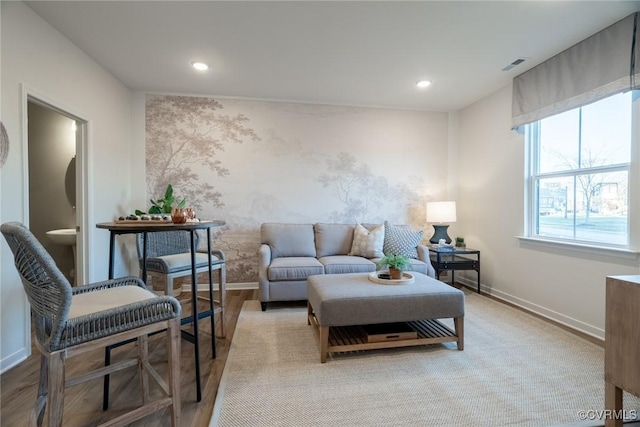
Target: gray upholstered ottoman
{"x": 340, "y": 304}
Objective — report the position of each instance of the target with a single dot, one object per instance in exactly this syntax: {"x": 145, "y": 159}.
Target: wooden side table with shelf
{"x": 456, "y": 259}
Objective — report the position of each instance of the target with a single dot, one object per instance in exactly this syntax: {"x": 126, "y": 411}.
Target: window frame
{"x": 631, "y": 249}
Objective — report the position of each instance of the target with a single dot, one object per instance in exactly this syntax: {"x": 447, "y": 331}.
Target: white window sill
{"x": 578, "y": 247}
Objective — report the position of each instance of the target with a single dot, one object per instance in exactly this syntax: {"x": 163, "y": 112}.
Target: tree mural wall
{"x": 184, "y": 131}
{"x": 249, "y": 162}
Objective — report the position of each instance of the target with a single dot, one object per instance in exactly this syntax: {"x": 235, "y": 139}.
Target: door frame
{"x": 83, "y": 178}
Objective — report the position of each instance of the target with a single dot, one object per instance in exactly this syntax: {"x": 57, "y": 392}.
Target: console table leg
{"x": 613, "y": 403}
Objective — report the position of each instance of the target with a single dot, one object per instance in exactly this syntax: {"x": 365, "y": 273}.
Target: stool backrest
{"x": 162, "y": 243}
{"x": 48, "y": 290}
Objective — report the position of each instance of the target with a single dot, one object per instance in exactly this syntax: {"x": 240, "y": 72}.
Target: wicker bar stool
{"x": 72, "y": 321}
{"x": 168, "y": 255}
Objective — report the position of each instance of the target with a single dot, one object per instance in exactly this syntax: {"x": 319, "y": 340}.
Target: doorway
{"x": 55, "y": 167}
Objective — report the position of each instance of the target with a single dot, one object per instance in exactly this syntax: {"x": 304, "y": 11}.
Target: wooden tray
{"x": 142, "y": 221}
{"x": 406, "y": 279}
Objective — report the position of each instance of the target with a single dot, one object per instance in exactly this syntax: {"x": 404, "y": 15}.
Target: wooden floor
{"x": 83, "y": 403}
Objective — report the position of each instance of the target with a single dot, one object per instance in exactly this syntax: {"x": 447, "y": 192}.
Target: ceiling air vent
{"x": 513, "y": 64}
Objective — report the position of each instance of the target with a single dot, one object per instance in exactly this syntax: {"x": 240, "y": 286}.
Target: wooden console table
{"x": 621, "y": 344}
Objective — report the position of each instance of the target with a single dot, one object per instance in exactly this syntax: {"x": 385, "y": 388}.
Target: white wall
{"x": 35, "y": 55}
{"x": 562, "y": 284}
{"x": 289, "y": 162}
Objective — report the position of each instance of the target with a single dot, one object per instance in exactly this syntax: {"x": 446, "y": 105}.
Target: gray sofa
{"x": 289, "y": 253}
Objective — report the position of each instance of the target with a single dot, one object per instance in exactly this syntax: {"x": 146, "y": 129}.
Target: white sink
{"x": 63, "y": 236}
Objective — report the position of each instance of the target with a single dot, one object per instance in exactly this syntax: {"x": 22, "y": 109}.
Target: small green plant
{"x": 399, "y": 262}
{"x": 165, "y": 204}
{"x": 460, "y": 242}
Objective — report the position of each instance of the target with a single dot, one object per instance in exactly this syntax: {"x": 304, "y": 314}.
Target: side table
{"x": 456, "y": 259}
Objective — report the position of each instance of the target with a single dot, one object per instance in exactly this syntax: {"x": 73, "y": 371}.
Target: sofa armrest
{"x": 423, "y": 255}
{"x": 264, "y": 259}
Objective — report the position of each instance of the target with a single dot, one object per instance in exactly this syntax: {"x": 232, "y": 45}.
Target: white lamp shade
{"x": 441, "y": 212}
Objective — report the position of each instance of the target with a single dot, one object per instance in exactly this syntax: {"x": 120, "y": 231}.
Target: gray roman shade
{"x": 600, "y": 66}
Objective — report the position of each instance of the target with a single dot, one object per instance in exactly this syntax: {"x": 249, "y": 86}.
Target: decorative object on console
{"x": 191, "y": 214}
{"x": 460, "y": 242}
{"x": 401, "y": 240}
{"x": 439, "y": 213}
{"x": 179, "y": 216}
{"x": 164, "y": 205}
{"x": 367, "y": 243}
{"x": 396, "y": 264}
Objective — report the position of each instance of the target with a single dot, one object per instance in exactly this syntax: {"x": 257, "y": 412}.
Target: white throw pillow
{"x": 367, "y": 243}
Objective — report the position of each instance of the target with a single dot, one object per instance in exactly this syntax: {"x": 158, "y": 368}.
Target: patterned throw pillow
{"x": 367, "y": 243}
{"x": 401, "y": 240}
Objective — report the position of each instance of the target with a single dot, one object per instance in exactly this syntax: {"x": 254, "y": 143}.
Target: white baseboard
{"x": 14, "y": 359}
{"x": 537, "y": 309}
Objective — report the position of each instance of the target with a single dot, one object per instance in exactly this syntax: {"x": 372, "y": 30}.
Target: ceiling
{"x": 328, "y": 52}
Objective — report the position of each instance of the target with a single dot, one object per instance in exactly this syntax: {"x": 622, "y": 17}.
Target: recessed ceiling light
{"x": 423, "y": 84}
{"x": 200, "y": 66}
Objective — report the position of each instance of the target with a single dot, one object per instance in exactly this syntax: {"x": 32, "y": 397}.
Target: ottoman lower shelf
{"x": 354, "y": 338}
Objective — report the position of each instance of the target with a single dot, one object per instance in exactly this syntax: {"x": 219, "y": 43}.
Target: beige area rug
{"x": 515, "y": 370}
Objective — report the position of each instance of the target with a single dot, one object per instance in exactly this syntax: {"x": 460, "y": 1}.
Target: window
{"x": 579, "y": 163}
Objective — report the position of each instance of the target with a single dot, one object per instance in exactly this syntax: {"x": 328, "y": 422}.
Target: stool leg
{"x": 41, "y": 400}
{"x": 105, "y": 385}
{"x": 143, "y": 357}
{"x": 55, "y": 396}
{"x": 173, "y": 342}
{"x": 168, "y": 286}
{"x": 213, "y": 313}
{"x": 222, "y": 289}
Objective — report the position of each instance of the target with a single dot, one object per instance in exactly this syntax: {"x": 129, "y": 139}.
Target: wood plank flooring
{"x": 83, "y": 403}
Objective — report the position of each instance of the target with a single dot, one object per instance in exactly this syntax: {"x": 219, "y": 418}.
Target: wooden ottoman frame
{"x": 346, "y": 337}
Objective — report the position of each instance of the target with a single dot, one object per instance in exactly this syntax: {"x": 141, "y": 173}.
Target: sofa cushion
{"x": 342, "y": 264}
{"x": 367, "y": 243}
{"x": 289, "y": 240}
{"x": 401, "y": 240}
{"x": 294, "y": 268}
{"x": 333, "y": 239}
{"x": 179, "y": 262}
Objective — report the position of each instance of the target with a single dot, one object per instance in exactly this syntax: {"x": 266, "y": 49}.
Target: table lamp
{"x": 438, "y": 213}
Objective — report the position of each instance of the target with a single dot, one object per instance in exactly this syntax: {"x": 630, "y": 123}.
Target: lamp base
{"x": 440, "y": 233}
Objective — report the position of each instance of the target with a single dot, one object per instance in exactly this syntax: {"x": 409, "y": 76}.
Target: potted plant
{"x": 395, "y": 263}
{"x": 460, "y": 242}
{"x": 164, "y": 205}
